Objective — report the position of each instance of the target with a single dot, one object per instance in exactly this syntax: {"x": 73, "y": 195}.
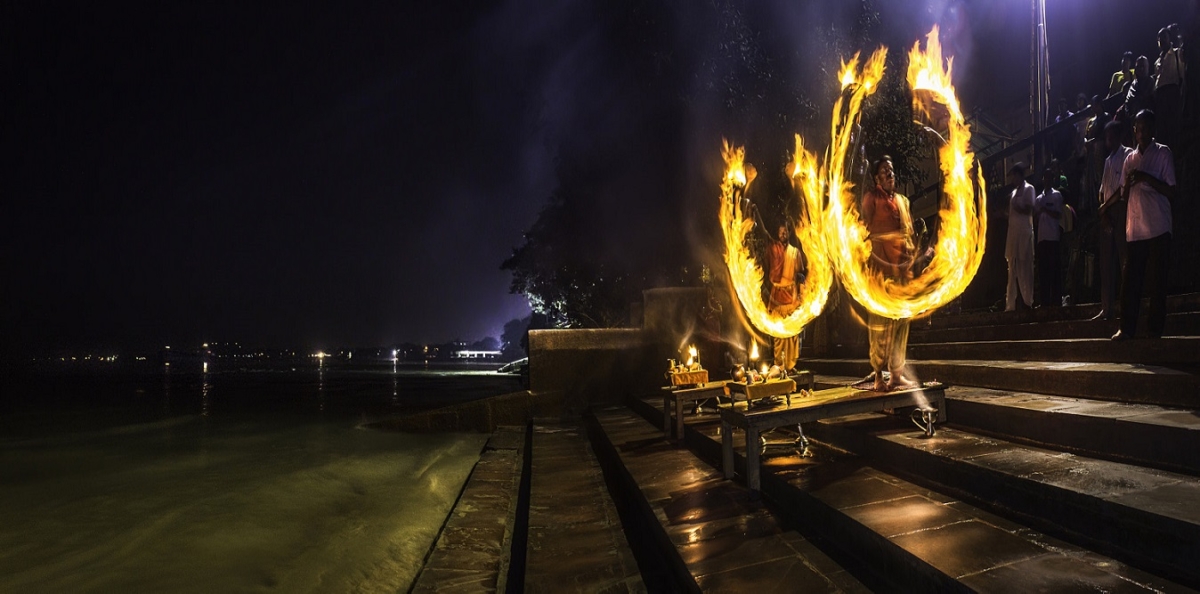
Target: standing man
{"x": 785, "y": 262}
{"x": 1148, "y": 183}
{"x": 1018, "y": 249}
{"x": 1112, "y": 221}
{"x": 889, "y": 223}
{"x": 1047, "y": 209}
{"x": 1094, "y": 154}
{"x": 1169, "y": 73}
{"x": 1121, "y": 78}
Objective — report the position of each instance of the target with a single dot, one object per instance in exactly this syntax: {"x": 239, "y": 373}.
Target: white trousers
{"x": 1020, "y": 275}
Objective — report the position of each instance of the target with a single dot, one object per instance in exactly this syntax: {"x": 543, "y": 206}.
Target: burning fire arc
{"x": 745, "y": 273}
{"x": 831, "y": 231}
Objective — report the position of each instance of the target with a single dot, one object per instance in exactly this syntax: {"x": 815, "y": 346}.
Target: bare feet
{"x": 880, "y": 385}
{"x": 899, "y": 382}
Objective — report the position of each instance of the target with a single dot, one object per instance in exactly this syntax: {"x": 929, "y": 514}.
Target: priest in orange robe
{"x": 889, "y": 222}
{"x": 785, "y": 262}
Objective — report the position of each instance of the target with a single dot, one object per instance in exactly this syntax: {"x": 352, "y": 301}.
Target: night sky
{"x": 354, "y": 173}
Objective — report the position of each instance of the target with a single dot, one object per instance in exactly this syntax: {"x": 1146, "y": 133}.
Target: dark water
{"x": 226, "y": 482}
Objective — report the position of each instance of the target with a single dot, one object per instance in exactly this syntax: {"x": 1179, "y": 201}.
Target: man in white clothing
{"x": 1047, "y": 209}
{"x": 1148, "y": 184}
{"x": 1112, "y": 221}
{"x": 1018, "y": 249}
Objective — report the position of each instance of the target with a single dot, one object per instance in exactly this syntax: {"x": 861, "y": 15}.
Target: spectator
{"x": 1121, "y": 78}
{"x": 1062, "y": 141}
{"x": 1148, "y": 185}
{"x": 1094, "y": 153}
{"x": 1141, "y": 91}
{"x": 1047, "y": 210}
{"x": 1018, "y": 248}
{"x": 1081, "y": 106}
{"x": 1112, "y": 221}
{"x": 1168, "y": 88}
{"x": 1191, "y": 101}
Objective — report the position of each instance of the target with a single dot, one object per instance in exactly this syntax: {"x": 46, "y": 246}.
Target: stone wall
{"x": 591, "y": 366}
{"x": 572, "y": 370}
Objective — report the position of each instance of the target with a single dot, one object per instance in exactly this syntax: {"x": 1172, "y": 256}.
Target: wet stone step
{"x": 471, "y": 553}
{"x": 722, "y": 537}
{"x": 1167, "y": 351}
{"x": 1146, "y": 434}
{"x": 920, "y": 539}
{"x": 1188, "y": 302}
{"x": 1145, "y": 516}
{"x": 576, "y": 542}
{"x": 1119, "y": 382}
{"x": 1177, "y": 324}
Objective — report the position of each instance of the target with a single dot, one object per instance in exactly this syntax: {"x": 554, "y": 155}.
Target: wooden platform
{"x": 675, "y": 401}
{"x": 823, "y": 404}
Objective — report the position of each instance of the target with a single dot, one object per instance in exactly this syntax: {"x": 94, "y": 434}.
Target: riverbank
{"x": 227, "y": 482}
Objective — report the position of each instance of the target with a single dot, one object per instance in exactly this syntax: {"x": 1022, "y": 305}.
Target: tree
{"x": 487, "y": 343}
{"x": 676, "y": 76}
{"x": 510, "y": 339}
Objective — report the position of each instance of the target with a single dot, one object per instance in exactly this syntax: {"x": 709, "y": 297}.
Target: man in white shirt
{"x": 1169, "y": 71}
{"x": 1112, "y": 221}
{"x": 1148, "y": 184}
{"x": 1047, "y": 209}
{"x": 1018, "y": 248}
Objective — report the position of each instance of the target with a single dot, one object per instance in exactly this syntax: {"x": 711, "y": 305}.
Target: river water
{"x": 239, "y": 482}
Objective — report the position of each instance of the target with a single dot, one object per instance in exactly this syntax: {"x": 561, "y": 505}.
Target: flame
{"x": 765, "y": 368}
{"x": 847, "y": 74}
{"x": 745, "y": 274}
{"x": 963, "y": 223}
{"x": 754, "y": 351}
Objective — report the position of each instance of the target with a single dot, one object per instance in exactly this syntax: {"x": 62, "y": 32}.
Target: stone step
{"x": 1174, "y": 350}
{"x": 917, "y": 539}
{"x": 575, "y": 539}
{"x": 1120, "y": 382}
{"x": 1144, "y": 434}
{"x": 1186, "y": 302}
{"x": 714, "y": 533}
{"x": 1161, "y": 437}
{"x": 1142, "y": 516}
{"x": 471, "y": 553}
{"x": 1177, "y": 324}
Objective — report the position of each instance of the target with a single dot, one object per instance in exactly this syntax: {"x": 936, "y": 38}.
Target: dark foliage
{"x": 630, "y": 212}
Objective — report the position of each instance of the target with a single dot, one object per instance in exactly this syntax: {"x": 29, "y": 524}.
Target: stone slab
{"x": 722, "y": 534}
{"x": 576, "y": 542}
{"x": 954, "y": 539}
{"x": 1120, "y": 382}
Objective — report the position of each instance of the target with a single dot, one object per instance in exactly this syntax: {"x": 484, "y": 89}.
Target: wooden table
{"x": 675, "y": 399}
{"x": 825, "y": 404}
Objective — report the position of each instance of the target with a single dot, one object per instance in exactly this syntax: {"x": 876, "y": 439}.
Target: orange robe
{"x": 890, "y": 226}
{"x": 784, "y": 260}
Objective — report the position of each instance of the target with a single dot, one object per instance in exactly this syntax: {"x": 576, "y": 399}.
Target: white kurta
{"x": 1149, "y": 212}
{"x": 1019, "y": 245}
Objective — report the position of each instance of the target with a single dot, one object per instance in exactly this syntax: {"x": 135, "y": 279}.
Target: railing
{"x": 1037, "y": 140}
